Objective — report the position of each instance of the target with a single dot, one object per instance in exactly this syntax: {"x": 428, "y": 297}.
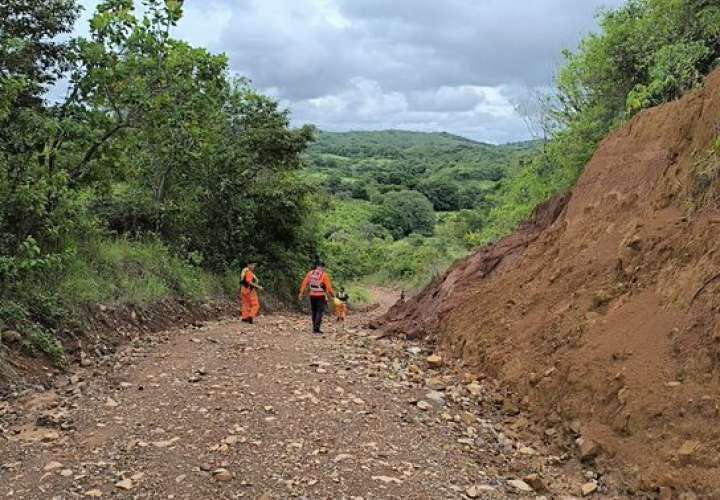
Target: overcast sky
{"x": 454, "y": 65}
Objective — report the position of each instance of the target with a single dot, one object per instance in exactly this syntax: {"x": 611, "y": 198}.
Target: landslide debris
{"x": 602, "y": 311}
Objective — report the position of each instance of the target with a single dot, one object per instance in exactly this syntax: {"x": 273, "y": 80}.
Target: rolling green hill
{"x": 402, "y": 203}
{"x": 452, "y": 171}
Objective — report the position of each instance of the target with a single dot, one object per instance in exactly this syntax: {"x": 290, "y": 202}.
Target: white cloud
{"x": 456, "y": 65}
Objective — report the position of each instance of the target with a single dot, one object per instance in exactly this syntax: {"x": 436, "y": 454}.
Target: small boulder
{"x": 687, "y": 451}
{"x": 223, "y": 475}
{"x": 588, "y": 449}
{"x": 436, "y": 398}
{"x": 536, "y": 483}
{"x": 125, "y": 484}
{"x": 475, "y": 389}
{"x": 51, "y": 466}
{"x": 434, "y": 361}
{"x": 520, "y": 485}
{"x": 435, "y": 383}
{"x": 588, "y": 489}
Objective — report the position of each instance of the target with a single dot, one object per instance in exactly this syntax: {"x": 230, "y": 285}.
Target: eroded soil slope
{"x": 603, "y": 311}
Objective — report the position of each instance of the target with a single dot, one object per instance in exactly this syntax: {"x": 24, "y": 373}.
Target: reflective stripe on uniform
{"x": 316, "y": 283}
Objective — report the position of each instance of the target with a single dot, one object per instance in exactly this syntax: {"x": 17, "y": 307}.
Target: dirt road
{"x": 229, "y": 410}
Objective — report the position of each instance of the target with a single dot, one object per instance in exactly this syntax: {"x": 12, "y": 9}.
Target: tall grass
{"x": 128, "y": 272}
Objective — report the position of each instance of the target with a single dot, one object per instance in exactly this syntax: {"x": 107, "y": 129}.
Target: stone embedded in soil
{"x": 95, "y": 493}
{"x": 469, "y": 418}
{"x": 435, "y": 383}
{"x": 477, "y": 491}
{"x": 436, "y": 398}
{"x": 588, "y": 489}
{"x": 423, "y": 405}
{"x": 343, "y": 457}
{"x": 51, "y": 466}
{"x": 434, "y": 361}
{"x": 588, "y": 449}
{"x": 688, "y": 450}
{"x": 475, "y": 389}
{"x": 520, "y": 485}
{"x": 223, "y": 475}
{"x": 125, "y": 484}
{"x": 387, "y": 479}
{"x": 165, "y": 444}
{"x": 536, "y": 483}
{"x": 51, "y": 436}
{"x": 665, "y": 493}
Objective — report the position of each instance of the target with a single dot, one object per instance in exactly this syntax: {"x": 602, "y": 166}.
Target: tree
{"x": 30, "y": 46}
{"x": 404, "y": 213}
{"x": 36, "y": 210}
{"x": 648, "y": 52}
{"x": 443, "y": 194}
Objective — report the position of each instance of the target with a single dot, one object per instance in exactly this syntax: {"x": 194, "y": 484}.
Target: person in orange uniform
{"x": 318, "y": 285}
{"x": 248, "y": 293}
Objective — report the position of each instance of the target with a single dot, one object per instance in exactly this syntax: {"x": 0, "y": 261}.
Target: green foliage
{"x": 123, "y": 271}
{"x": 357, "y": 249}
{"x": 404, "y": 213}
{"x": 453, "y": 172}
{"x": 417, "y": 260}
{"x": 444, "y": 194}
{"x": 359, "y": 295}
{"x": 350, "y": 242}
{"x": 649, "y": 52}
{"x": 155, "y": 174}
{"x": 380, "y": 184}
{"x": 30, "y": 46}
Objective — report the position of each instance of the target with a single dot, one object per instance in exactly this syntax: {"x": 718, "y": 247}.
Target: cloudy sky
{"x": 460, "y": 66}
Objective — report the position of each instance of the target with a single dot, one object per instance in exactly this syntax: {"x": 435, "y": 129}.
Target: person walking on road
{"x": 249, "y": 285}
{"x": 318, "y": 285}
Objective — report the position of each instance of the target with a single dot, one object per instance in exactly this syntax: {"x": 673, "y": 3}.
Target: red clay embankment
{"x": 603, "y": 312}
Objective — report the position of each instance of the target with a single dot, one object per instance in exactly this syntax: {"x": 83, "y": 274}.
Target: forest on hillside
{"x": 160, "y": 173}
{"x": 403, "y": 205}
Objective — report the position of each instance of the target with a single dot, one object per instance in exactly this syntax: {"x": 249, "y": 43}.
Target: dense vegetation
{"x": 647, "y": 52}
{"x": 157, "y": 175}
{"x": 402, "y": 203}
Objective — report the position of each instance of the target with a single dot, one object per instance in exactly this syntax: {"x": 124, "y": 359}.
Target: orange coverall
{"x": 249, "y": 296}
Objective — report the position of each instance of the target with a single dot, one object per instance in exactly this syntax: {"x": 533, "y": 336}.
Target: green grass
{"x": 359, "y": 293}
{"x": 124, "y": 271}
{"x": 102, "y": 271}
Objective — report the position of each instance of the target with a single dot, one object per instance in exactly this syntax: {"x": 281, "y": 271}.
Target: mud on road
{"x": 228, "y": 410}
